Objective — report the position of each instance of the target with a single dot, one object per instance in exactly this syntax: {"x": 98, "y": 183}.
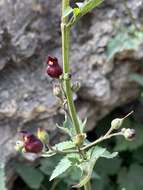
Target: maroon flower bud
{"x": 32, "y": 143}
{"x": 53, "y": 70}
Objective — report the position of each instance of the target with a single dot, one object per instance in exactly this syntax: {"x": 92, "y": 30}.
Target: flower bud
{"x": 32, "y": 143}
{"x": 43, "y": 135}
{"x": 53, "y": 69}
{"x": 79, "y": 139}
{"x": 129, "y": 134}
{"x": 76, "y": 86}
{"x": 116, "y": 123}
{"x": 57, "y": 90}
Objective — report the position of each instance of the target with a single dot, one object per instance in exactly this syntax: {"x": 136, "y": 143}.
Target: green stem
{"x": 87, "y": 186}
{"x": 66, "y": 70}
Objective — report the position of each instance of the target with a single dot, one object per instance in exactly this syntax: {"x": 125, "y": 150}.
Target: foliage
{"x": 123, "y": 171}
{"x": 128, "y": 39}
{"x": 31, "y": 176}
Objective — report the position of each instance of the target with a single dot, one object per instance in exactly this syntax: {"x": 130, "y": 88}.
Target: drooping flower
{"x": 54, "y": 70}
{"x": 29, "y": 143}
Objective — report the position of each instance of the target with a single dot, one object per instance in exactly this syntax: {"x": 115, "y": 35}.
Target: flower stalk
{"x": 66, "y": 69}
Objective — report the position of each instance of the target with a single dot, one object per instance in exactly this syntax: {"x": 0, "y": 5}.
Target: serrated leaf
{"x": 2, "y": 179}
{"x": 62, "y": 167}
{"x": 137, "y": 78}
{"x": 126, "y": 40}
{"x": 31, "y": 176}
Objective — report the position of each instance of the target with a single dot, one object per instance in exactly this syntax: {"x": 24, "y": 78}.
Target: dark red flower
{"x": 53, "y": 70}
{"x": 32, "y": 143}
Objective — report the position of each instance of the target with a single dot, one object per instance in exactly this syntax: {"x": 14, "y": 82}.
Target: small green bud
{"x": 116, "y": 123}
{"x": 129, "y": 134}
{"x": 79, "y": 139}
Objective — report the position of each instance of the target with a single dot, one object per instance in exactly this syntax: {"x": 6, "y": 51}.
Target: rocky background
{"x": 29, "y": 31}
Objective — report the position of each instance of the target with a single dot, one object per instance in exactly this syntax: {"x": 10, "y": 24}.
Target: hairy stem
{"x": 66, "y": 69}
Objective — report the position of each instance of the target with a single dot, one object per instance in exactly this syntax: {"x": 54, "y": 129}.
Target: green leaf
{"x": 125, "y": 40}
{"x": 137, "y": 78}
{"x": 2, "y": 179}
{"x": 132, "y": 179}
{"x": 97, "y": 152}
{"x": 102, "y": 184}
{"x": 106, "y": 167}
{"x": 64, "y": 145}
{"x": 73, "y": 175}
{"x": 62, "y": 167}
{"x": 31, "y": 176}
{"x": 109, "y": 155}
{"x": 138, "y": 155}
{"x": 48, "y": 164}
